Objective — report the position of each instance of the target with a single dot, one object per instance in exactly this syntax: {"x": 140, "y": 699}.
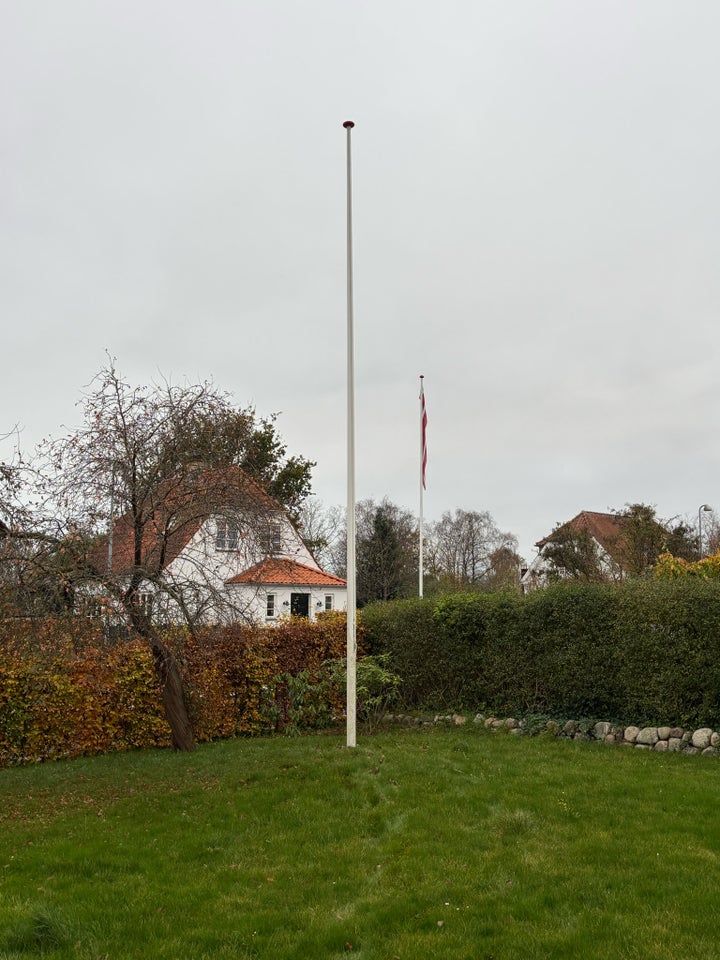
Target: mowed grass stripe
{"x": 445, "y": 843}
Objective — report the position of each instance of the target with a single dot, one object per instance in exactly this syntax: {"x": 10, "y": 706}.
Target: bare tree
{"x": 20, "y": 545}
{"x": 461, "y": 548}
{"x": 118, "y": 498}
{"x": 322, "y": 530}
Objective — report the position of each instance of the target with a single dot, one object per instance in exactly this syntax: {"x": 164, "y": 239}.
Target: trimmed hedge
{"x": 646, "y": 650}
{"x": 63, "y": 693}
{"x": 669, "y": 650}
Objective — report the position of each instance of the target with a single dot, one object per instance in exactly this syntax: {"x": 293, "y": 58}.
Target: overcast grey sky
{"x": 536, "y": 230}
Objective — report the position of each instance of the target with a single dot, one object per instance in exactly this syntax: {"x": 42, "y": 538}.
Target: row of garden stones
{"x": 704, "y": 740}
{"x": 674, "y": 739}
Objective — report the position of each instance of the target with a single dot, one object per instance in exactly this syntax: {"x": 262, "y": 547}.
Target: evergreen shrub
{"x": 404, "y": 630}
{"x": 645, "y": 651}
{"x": 668, "y": 647}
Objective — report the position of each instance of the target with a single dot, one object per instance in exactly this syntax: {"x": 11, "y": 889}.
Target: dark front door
{"x": 300, "y": 604}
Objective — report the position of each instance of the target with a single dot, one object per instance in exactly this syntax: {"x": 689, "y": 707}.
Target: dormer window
{"x": 271, "y": 540}
{"x": 227, "y": 535}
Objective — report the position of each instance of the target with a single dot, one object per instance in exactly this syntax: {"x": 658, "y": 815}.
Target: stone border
{"x": 703, "y": 741}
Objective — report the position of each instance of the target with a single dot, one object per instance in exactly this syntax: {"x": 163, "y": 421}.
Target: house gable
{"x": 278, "y": 586}
{"x": 203, "y": 544}
{"x": 177, "y": 511}
{"x": 604, "y": 536}
{"x": 608, "y": 530}
{"x": 626, "y": 544}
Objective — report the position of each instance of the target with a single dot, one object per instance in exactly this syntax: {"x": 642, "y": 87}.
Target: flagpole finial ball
{"x": 422, "y": 376}
{"x": 348, "y": 124}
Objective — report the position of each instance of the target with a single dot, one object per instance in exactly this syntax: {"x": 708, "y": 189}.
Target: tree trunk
{"x": 168, "y": 672}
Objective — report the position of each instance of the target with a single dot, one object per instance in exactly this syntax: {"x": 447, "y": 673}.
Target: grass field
{"x": 440, "y": 844}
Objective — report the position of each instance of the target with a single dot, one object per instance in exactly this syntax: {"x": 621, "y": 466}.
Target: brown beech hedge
{"x": 64, "y": 692}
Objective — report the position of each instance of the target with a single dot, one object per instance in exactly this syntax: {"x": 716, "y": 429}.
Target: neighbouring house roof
{"x": 176, "y": 513}
{"x": 287, "y": 573}
{"x": 607, "y": 528}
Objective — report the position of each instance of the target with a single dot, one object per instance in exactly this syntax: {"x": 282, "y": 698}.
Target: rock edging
{"x": 703, "y": 741}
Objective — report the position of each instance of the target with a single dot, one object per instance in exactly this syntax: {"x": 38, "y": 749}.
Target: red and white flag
{"x": 423, "y": 431}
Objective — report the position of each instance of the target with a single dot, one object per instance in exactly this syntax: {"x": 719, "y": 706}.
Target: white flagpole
{"x": 351, "y": 657}
{"x": 422, "y": 481}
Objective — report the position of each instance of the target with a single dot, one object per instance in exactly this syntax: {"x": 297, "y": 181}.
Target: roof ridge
{"x": 254, "y": 574}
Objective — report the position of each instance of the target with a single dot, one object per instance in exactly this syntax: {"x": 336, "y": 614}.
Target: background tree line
{"x": 463, "y": 550}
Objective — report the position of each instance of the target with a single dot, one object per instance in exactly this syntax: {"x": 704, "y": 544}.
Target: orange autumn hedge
{"x": 65, "y": 693}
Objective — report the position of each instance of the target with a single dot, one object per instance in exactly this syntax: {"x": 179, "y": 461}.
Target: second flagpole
{"x": 422, "y": 486}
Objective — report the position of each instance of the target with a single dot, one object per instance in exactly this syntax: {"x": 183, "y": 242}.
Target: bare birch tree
{"x": 322, "y": 529}
{"x": 463, "y": 549}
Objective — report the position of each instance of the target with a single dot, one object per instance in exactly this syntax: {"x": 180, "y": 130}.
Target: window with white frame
{"x": 270, "y": 607}
{"x": 328, "y": 601}
{"x": 226, "y": 534}
{"x": 146, "y": 603}
{"x": 87, "y": 606}
{"x": 271, "y": 539}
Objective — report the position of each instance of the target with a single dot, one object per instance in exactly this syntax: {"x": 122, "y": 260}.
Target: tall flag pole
{"x": 351, "y": 657}
{"x": 423, "y": 466}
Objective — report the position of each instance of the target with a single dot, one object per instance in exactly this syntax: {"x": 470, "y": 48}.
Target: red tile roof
{"x": 287, "y": 572}
{"x": 607, "y": 528}
{"x": 159, "y": 548}
{"x": 173, "y": 514}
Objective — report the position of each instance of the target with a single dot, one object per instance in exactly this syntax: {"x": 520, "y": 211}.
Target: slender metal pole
{"x": 351, "y": 709}
{"x": 706, "y": 509}
{"x": 422, "y": 486}
{"x": 700, "y": 532}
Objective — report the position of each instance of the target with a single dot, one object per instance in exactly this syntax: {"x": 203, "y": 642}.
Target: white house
{"x": 289, "y": 587}
{"x": 218, "y": 549}
{"x": 603, "y": 535}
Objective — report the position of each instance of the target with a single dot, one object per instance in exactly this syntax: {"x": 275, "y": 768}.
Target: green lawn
{"x": 450, "y": 844}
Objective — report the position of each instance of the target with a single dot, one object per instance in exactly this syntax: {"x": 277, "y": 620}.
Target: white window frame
{"x": 227, "y": 535}
{"x": 270, "y": 606}
{"x": 145, "y": 602}
{"x": 87, "y": 605}
{"x": 271, "y": 543}
{"x": 329, "y": 601}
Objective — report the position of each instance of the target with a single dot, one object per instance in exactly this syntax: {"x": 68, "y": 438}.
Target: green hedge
{"x": 645, "y": 651}
{"x": 668, "y": 650}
